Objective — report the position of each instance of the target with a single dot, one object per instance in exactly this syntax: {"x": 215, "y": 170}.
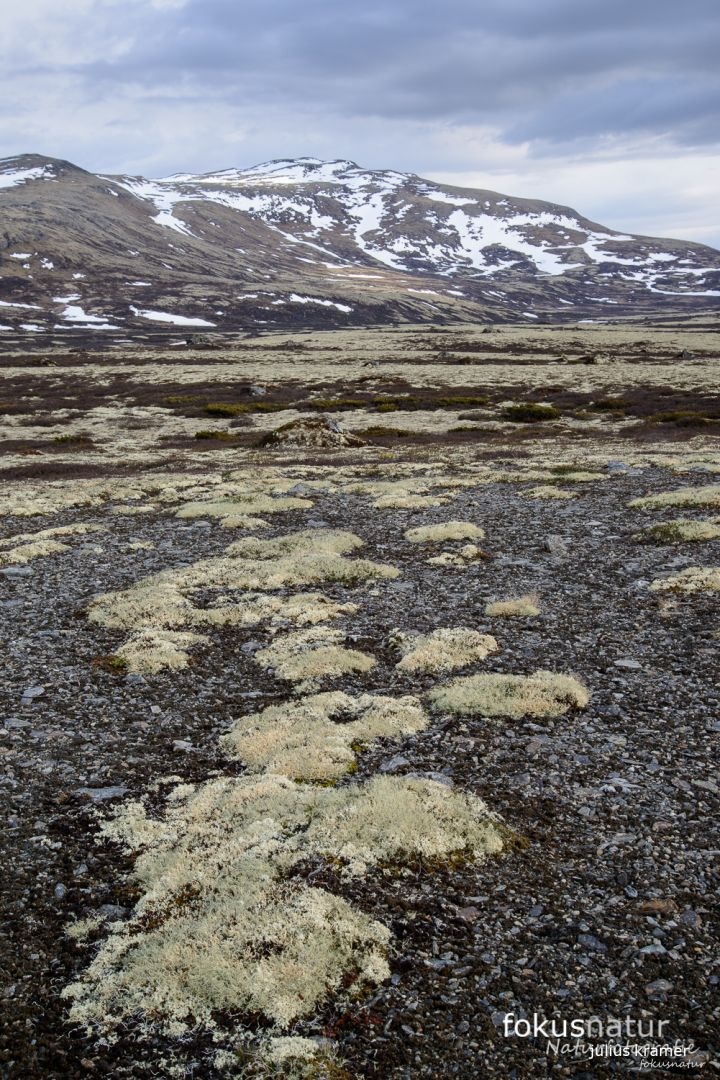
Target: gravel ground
{"x": 607, "y": 907}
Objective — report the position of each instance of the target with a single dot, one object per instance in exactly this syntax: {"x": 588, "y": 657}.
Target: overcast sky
{"x": 610, "y": 106}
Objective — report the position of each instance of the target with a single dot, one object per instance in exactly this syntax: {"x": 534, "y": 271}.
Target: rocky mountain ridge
{"x": 304, "y": 242}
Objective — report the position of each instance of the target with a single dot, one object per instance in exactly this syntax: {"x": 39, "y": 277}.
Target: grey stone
{"x": 593, "y": 943}
{"x": 393, "y": 764}
{"x": 102, "y": 794}
{"x": 438, "y": 777}
{"x": 112, "y": 911}
{"x": 251, "y": 646}
{"x": 33, "y": 692}
{"x": 656, "y": 949}
{"x": 658, "y": 988}
{"x": 556, "y": 545}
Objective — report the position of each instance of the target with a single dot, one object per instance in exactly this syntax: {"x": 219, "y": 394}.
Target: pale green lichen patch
{"x": 24, "y": 547}
{"x": 691, "y": 580}
{"x": 221, "y": 927}
{"x": 526, "y": 607}
{"x": 314, "y": 738}
{"x": 150, "y": 651}
{"x": 446, "y": 530}
{"x": 408, "y": 501}
{"x": 312, "y": 654}
{"x": 547, "y": 491}
{"x": 250, "y": 567}
{"x": 544, "y": 693}
{"x": 25, "y": 553}
{"x": 468, "y": 553}
{"x": 445, "y": 650}
{"x": 709, "y": 495}
{"x": 670, "y": 532}
{"x": 234, "y": 510}
{"x": 300, "y": 609}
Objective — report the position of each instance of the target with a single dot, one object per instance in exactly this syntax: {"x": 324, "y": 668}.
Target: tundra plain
{"x": 360, "y": 688}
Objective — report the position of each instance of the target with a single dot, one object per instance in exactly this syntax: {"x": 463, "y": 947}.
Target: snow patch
{"x": 167, "y": 317}
{"x": 14, "y": 177}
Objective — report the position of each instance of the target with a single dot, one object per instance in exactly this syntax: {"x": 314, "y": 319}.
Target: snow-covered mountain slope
{"x": 309, "y": 242}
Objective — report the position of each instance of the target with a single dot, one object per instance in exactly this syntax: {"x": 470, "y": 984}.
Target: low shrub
{"x": 529, "y": 412}
{"x": 681, "y": 418}
{"x": 225, "y": 408}
{"x": 610, "y": 404}
{"x": 73, "y": 440}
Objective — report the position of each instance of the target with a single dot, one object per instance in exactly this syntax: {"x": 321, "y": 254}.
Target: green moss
{"x": 530, "y": 412}
{"x": 206, "y": 434}
{"x": 681, "y": 418}
{"x": 462, "y": 402}
{"x": 335, "y": 404}
{"x": 379, "y": 431}
{"x": 225, "y": 408}
{"x": 566, "y": 470}
{"x": 113, "y": 665}
{"x": 73, "y": 440}
{"x": 182, "y": 399}
{"x": 610, "y": 404}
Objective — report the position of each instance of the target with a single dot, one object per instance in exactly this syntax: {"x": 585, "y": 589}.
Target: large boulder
{"x": 312, "y": 431}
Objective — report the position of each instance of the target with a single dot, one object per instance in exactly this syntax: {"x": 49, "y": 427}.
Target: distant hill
{"x": 314, "y": 243}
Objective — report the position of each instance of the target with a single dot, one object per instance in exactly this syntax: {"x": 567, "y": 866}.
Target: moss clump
{"x": 112, "y": 664}
{"x": 255, "y": 939}
{"x": 312, "y": 654}
{"x": 182, "y": 399}
{"x": 220, "y": 435}
{"x": 530, "y": 412}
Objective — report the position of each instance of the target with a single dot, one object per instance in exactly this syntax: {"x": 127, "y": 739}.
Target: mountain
{"x": 314, "y": 243}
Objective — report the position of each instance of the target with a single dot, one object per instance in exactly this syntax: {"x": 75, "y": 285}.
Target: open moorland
{"x": 360, "y": 688}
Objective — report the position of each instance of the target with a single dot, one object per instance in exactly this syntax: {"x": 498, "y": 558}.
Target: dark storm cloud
{"x": 551, "y": 71}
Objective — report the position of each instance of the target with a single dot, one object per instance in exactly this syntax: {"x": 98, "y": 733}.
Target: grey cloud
{"x": 532, "y": 70}
{"x": 392, "y": 83}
